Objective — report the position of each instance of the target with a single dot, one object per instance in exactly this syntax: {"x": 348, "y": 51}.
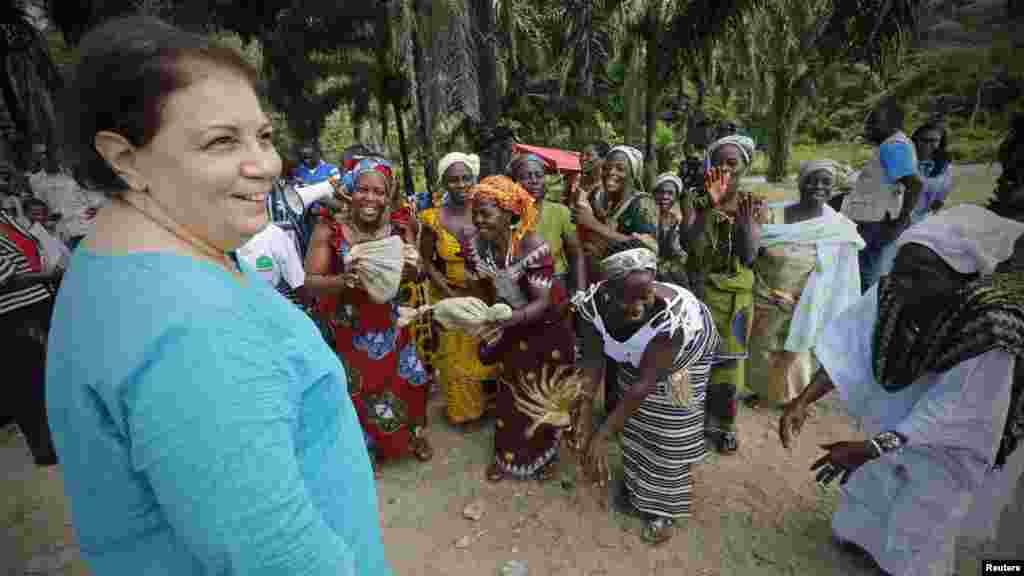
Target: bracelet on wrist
{"x": 887, "y": 442}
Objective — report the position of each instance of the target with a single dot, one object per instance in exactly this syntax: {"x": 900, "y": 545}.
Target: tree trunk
{"x": 423, "y": 121}
{"x": 977, "y": 104}
{"x": 483, "y": 12}
{"x": 631, "y": 93}
{"x": 382, "y": 107}
{"x": 653, "y": 96}
{"x": 403, "y": 149}
{"x": 18, "y": 116}
{"x": 781, "y": 139}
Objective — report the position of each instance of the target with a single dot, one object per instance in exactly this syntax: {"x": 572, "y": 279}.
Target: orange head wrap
{"x": 510, "y": 196}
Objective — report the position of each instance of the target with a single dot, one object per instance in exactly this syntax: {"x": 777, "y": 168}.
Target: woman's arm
{"x": 428, "y": 252}
{"x": 574, "y": 252}
{"x": 212, "y": 433}
{"x": 657, "y": 359}
{"x": 319, "y": 280}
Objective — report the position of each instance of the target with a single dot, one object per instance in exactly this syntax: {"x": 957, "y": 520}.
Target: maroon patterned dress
{"x": 543, "y": 349}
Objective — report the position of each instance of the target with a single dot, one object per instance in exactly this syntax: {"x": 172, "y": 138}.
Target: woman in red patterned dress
{"x": 386, "y": 378}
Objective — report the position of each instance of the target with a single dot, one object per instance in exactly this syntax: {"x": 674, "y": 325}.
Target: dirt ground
{"x": 757, "y": 512}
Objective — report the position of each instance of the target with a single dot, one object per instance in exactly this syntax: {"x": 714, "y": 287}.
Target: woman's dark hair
{"x": 600, "y": 147}
{"x": 127, "y": 69}
{"x": 627, "y": 244}
{"x": 940, "y": 160}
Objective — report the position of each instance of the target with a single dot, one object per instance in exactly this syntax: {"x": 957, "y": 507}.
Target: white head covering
{"x": 744, "y": 143}
{"x": 811, "y": 166}
{"x": 636, "y": 162}
{"x": 669, "y": 177}
{"x": 623, "y": 263}
{"x": 472, "y": 162}
{"x": 969, "y": 238}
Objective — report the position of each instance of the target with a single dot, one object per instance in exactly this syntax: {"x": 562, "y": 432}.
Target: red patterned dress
{"x": 541, "y": 350}
{"x": 386, "y": 378}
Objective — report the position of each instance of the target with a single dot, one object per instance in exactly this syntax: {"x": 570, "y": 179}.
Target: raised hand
{"x": 716, "y": 182}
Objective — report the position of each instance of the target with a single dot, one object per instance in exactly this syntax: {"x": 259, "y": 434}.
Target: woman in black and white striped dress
{"x": 662, "y": 340}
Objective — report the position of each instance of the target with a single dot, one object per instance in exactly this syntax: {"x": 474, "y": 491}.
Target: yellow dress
{"x": 467, "y": 383}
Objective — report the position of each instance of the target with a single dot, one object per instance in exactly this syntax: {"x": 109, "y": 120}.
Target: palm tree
{"x": 29, "y": 83}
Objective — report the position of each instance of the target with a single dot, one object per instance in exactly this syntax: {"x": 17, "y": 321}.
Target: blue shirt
{"x": 898, "y": 160}
{"x": 204, "y": 426}
{"x": 323, "y": 171}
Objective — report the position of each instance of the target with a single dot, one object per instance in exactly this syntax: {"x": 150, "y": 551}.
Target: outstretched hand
{"x": 791, "y": 422}
{"x": 842, "y": 460}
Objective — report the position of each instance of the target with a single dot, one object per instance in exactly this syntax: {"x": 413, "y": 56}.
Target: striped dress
{"x": 14, "y": 263}
{"x": 662, "y": 439}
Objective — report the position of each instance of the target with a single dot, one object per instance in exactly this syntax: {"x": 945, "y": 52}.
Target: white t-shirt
{"x": 272, "y": 254}
{"x": 62, "y": 194}
{"x": 55, "y": 254}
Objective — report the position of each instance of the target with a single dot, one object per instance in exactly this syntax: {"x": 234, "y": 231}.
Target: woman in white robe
{"x": 936, "y": 407}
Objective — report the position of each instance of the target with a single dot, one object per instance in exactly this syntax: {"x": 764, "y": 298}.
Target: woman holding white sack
{"x": 356, "y": 266}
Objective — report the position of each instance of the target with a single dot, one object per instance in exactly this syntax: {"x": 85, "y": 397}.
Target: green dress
{"x": 729, "y": 294}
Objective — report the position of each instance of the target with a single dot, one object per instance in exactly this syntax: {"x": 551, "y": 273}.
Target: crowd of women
{"x": 202, "y": 420}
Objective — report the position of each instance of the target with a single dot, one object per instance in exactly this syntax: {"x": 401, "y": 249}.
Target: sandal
{"x": 547, "y": 472}
{"x": 494, "y": 473}
{"x": 725, "y": 442}
{"x": 422, "y": 449}
{"x": 658, "y": 530}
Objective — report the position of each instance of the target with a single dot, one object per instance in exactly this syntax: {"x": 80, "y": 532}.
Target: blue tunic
{"x": 203, "y": 425}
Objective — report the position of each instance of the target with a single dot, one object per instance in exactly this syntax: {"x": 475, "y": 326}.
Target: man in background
{"x": 273, "y": 255}
{"x": 312, "y": 169}
{"x": 886, "y": 190}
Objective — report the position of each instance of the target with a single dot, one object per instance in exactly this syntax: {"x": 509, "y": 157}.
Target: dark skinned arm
{"x": 408, "y": 232}
{"x": 319, "y": 280}
{"x": 574, "y": 252}
{"x": 912, "y": 191}
{"x": 428, "y": 251}
{"x": 748, "y": 239}
{"x": 657, "y": 359}
{"x": 795, "y": 414}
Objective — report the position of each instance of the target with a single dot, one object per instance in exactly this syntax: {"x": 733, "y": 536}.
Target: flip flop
{"x": 495, "y": 474}
{"x": 422, "y": 450}
{"x": 658, "y": 531}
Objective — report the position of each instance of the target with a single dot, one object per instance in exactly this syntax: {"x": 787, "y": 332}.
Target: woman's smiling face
{"x": 212, "y": 163}
{"x": 616, "y": 171}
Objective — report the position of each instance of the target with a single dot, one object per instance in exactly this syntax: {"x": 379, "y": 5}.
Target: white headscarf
{"x": 744, "y": 143}
{"x": 969, "y": 238}
{"x": 811, "y": 166}
{"x": 636, "y": 162}
{"x": 472, "y": 162}
{"x": 669, "y": 177}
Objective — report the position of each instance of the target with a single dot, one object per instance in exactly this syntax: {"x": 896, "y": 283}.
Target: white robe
{"x": 908, "y": 507}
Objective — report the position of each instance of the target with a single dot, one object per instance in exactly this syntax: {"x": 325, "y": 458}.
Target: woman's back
{"x": 203, "y": 425}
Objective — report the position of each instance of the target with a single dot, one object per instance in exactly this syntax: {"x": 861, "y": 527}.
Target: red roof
{"x": 560, "y": 160}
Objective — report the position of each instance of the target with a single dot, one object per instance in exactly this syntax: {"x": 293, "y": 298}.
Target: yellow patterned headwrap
{"x": 510, "y": 196}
